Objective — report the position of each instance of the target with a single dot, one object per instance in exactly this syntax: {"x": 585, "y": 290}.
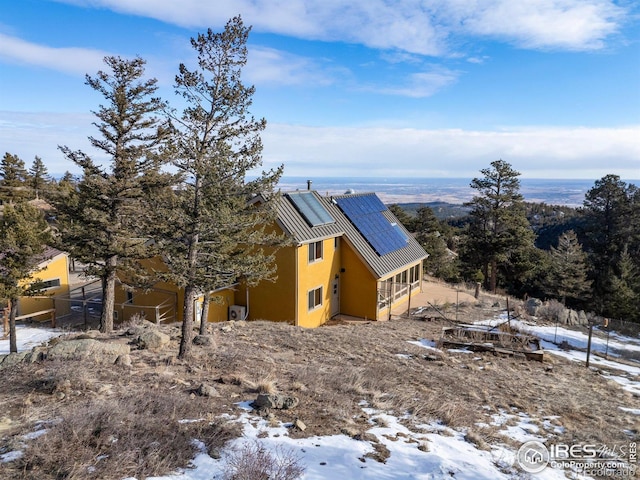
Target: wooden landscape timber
{"x": 479, "y": 338}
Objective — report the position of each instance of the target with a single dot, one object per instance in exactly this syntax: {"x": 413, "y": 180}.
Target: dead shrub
{"x": 215, "y": 435}
{"x": 550, "y": 311}
{"x": 253, "y": 461}
{"x": 137, "y": 436}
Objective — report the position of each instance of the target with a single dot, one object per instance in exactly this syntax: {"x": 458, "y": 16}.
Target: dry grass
{"x": 119, "y": 421}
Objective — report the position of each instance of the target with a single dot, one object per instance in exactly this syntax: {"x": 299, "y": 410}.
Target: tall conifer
{"x": 23, "y": 236}
{"x": 218, "y": 233}
{"x": 101, "y": 217}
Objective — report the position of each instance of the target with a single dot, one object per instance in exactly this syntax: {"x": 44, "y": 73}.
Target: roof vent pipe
{"x": 309, "y": 182}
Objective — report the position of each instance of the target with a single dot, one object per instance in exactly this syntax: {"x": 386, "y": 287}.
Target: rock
{"x": 496, "y": 305}
{"x": 572, "y": 317}
{"x": 204, "y": 340}
{"x": 124, "y": 360}
{"x": 582, "y": 318}
{"x": 153, "y": 340}
{"x": 207, "y": 391}
{"x": 532, "y": 306}
{"x": 563, "y": 315}
{"x": 276, "y": 401}
{"x": 89, "y": 334}
{"x": 227, "y": 328}
{"x": 13, "y": 359}
{"x": 87, "y": 349}
{"x": 299, "y": 424}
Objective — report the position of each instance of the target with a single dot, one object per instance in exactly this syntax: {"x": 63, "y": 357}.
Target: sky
{"x": 376, "y": 88}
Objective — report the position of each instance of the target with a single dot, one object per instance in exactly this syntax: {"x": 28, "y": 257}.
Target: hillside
{"x": 359, "y": 381}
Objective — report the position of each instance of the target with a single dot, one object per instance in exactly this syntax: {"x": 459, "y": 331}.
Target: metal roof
{"x": 380, "y": 265}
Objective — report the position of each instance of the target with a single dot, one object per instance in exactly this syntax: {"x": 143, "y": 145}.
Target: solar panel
{"x": 310, "y": 208}
{"x": 365, "y": 212}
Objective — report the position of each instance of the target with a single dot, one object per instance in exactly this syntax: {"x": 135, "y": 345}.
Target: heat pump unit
{"x": 237, "y": 312}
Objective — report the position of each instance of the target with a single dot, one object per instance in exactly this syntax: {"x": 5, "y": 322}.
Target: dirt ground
{"x": 331, "y": 370}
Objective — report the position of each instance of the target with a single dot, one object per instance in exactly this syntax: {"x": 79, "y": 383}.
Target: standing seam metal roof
{"x": 294, "y": 224}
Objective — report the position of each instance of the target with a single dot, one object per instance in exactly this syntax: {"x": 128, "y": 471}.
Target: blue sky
{"x": 422, "y": 88}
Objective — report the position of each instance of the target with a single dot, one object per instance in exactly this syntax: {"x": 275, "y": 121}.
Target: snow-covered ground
{"x": 434, "y": 452}
{"x": 29, "y": 337}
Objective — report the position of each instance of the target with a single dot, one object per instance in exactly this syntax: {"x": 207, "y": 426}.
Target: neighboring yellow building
{"x": 349, "y": 256}
{"x": 54, "y": 273}
{"x": 165, "y": 301}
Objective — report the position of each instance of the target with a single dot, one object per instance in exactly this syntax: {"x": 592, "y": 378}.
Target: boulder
{"x": 205, "y": 390}
{"x": 203, "y": 340}
{"x": 152, "y": 340}
{"x": 275, "y": 401}
{"x": 572, "y": 317}
{"x": 582, "y": 318}
{"x": 532, "y": 306}
{"x": 13, "y": 359}
{"x": 88, "y": 349}
{"x": 124, "y": 360}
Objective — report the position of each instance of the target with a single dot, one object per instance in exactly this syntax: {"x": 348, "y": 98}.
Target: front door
{"x": 335, "y": 297}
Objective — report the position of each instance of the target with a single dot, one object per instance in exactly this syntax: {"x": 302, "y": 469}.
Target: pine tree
{"x": 39, "y": 177}
{"x": 101, "y": 218}
{"x": 568, "y": 279}
{"x": 13, "y": 179}
{"x": 403, "y": 217}
{"x": 430, "y": 233}
{"x": 499, "y": 235}
{"x": 218, "y": 235}
{"x": 612, "y": 228}
{"x": 624, "y": 286}
{"x": 23, "y": 236}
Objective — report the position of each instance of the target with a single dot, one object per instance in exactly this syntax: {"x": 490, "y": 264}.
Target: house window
{"x": 51, "y": 283}
{"x": 315, "y": 298}
{"x": 315, "y": 251}
{"x": 129, "y": 297}
{"x": 414, "y": 274}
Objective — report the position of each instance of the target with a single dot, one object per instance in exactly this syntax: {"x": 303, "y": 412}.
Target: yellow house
{"x": 165, "y": 301}
{"x": 350, "y": 256}
{"x": 53, "y": 272}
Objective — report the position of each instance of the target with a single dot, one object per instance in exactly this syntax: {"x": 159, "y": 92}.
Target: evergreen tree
{"x": 218, "y": 235}
{"x": 403, "y": 217}
{"x": 431, "y": 234}
{"x": 624, "y": 287}
{"x": 23, "y": 236}
{"x": 499, "y": 235}
{"x": 568, "y": 279}
{"x": 101, "y": 220}
{"x": 13, "y": 179}
{"x": 39, "y": 177}
{"x": 612, "y": 228}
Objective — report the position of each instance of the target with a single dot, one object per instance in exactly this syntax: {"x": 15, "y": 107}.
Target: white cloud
{"x": 537, "y": 152}
{"x": 546, "y": 24}
{"x": 268, "y": 66}
{"x": 68, "y": 60}
{"x": 421, "y": 84}
{"x": 31, "y": 134}
{"x": 413, "y": 26}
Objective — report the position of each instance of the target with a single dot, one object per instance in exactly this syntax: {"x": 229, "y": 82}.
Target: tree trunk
{"x": 13, "y": 313}
{"x": 493, "y": 275}
{"x": 187, "y": 321}
{"x": 108, "y": 295}
{"x": 205, "y": 315}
